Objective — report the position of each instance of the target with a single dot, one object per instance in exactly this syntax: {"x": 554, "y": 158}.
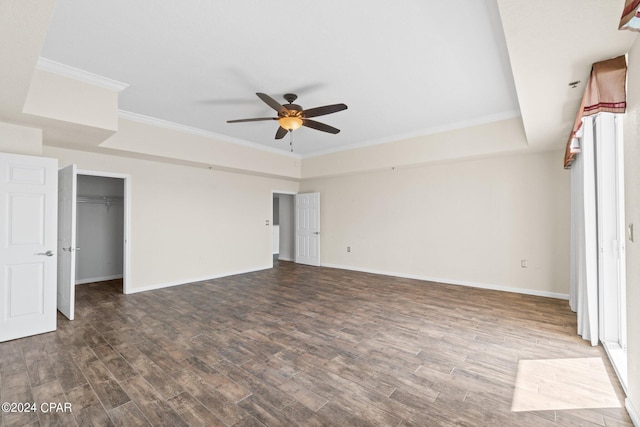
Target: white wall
{"x": 276, "y": 210}
{"x": 467, "y": 222}
{"x": 276, "y": 224}
{"x": 632, "y": 213}
{"x": 100, "y": 230}
{"x": 187, "y": 223}
{"x": 276, "y": 239}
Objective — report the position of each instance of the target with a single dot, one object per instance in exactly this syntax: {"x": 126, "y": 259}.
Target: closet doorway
{"x": 99, "y": 229}
{"x": 93, "y": 232}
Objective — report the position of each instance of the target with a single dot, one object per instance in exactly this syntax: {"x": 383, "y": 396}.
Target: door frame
{"x": 126, "y": 251}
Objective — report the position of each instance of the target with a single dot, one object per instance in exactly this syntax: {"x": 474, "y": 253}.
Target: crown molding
{"x": 81, "y": 75}
{"x": 424, "y": 132}
{"x": 140, "y": 118}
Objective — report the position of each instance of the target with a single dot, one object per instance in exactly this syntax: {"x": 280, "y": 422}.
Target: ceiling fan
{"x": 292, "y": 116}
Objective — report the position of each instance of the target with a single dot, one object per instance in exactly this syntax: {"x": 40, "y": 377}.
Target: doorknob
{"x": 48, "y": 253}
{"x": 67, "y": 249}
{"x": 316, "y": 232}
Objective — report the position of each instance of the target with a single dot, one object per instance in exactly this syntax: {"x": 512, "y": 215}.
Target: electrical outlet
{"x": 348, "y": 248}
{"x": 524, "y": 263}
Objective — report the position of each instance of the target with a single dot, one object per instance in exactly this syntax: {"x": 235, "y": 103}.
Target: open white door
{"x": 67, "y": 179}
{"x": 308, "y": 228}
{"x": 28, "y": 187}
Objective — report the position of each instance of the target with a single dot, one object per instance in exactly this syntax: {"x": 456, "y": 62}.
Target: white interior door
{"x": 67, "y": 182}
{"x": 308, "y": 228}
{"x": 28, "y": 187}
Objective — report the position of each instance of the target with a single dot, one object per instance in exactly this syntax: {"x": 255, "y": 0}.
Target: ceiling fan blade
{"x": 319, "y": 126}
{"x": 257, "y": 119}
{"x": 327, "y": 109}
{"x": 281, "y": 132}
{"x": 272, "y": 103}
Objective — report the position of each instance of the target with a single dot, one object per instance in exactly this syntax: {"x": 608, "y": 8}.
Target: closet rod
{"x": 107, "y": 200}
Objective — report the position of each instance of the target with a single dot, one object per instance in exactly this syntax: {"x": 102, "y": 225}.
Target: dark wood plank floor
{"x": 291, "y": 346}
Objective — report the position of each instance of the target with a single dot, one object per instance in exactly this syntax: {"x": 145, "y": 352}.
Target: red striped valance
{"x": 630, "y": 19}
{"x": 605, "y": 92}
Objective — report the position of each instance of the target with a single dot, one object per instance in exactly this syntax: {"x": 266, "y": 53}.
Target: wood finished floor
{"x": 292, "y": 346}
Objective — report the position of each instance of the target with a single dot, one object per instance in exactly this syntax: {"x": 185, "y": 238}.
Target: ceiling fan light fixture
{"x": 290, "y": 123}
{"x": 292, "y": 116}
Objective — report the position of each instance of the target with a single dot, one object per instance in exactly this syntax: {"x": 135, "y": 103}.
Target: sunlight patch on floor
{"x": 550, "y": 384}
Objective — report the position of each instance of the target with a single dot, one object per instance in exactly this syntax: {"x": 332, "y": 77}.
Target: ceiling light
{"x": 290, "y": 123}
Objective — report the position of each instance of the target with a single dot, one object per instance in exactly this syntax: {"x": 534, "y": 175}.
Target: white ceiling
{"x": 404, "y": 69}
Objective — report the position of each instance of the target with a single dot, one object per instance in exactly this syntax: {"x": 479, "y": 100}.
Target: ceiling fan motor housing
{"x": 291, "y": 110}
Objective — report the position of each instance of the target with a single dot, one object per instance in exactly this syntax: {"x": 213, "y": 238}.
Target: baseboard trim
{"x": 453, "y": 282}
{"x": 633, "y": 414}
{"x": 363, "y": 270}
{"x": 284, "y": 258}
{"x": 98, "y": 279}
{"x": 193, "y": 280}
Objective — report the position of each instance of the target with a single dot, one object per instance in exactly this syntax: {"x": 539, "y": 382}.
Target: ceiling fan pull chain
{"x": 291, "y": 139}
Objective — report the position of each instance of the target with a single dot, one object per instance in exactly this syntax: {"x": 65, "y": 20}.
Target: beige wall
{"x": 61, "y": 98}
{"x": 23, "y": 28}
{"x": 473, "y": 141}
{"x": 467, "y": 222}
{"x": 20, "y": 139}
{"x": 189, "y": 223}
{"x": 632, "y": 213}
{"x": 138, "y": 138}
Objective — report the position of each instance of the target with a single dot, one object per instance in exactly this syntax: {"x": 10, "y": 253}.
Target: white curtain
{"x": 583, "y": 297}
